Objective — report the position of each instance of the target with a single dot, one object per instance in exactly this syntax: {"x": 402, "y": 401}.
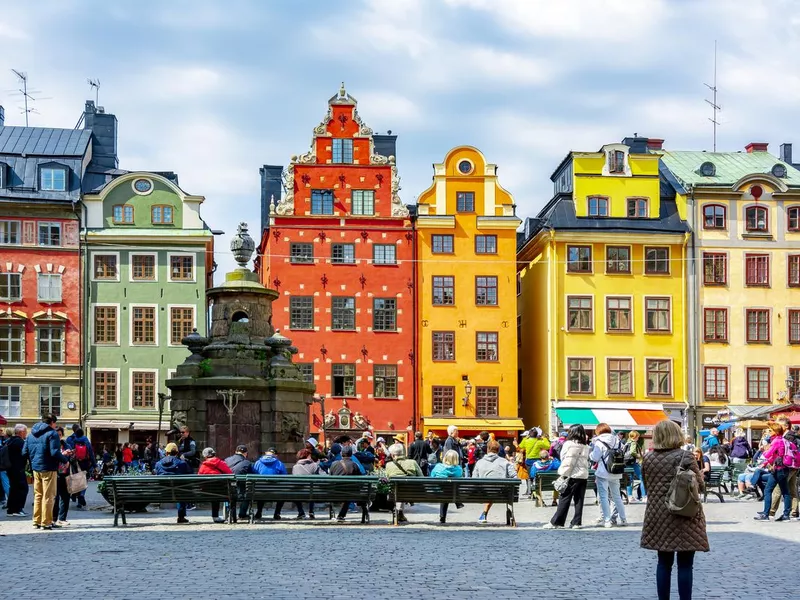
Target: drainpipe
{"x": 414, "y": 332}
{"x": 82, "y": 314}
{"x": 694, "y": 306}
{"x": 552, "y": 347}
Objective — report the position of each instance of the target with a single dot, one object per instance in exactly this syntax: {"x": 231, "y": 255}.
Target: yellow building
{"x": 602, "y": 295}
{"x": 466, "y": 341}
{"x": 744, "y": 208}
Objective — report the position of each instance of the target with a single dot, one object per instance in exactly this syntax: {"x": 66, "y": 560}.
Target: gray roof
{"x": 44, "y": 141}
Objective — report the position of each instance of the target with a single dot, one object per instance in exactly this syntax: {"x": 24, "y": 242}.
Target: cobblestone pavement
{"x": 155, "y": 558}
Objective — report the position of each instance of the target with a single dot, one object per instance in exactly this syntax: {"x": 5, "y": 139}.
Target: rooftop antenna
{"x": 95, "y": 83}
{"x": 713, "y": 102}
{"x": 26, "y": 94}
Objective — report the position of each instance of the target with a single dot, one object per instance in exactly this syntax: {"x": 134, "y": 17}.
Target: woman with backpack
{"x": 575, "y": 468}
{"x": 608, "y": 453}
{"x": 633, "y": 459}
{"x": 779, "y": 458}
{"x": 672, "y": 478}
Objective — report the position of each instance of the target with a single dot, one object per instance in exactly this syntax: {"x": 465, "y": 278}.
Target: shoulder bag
{"x": 560, "y": 484}
{"x": 76, "y": 481}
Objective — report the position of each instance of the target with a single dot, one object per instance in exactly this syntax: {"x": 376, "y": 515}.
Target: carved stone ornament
{"x": 363, "y": 129}
{"x": 291, "y": 428}
{"x": 322, "y": 128}
{"x": 242, "y": 246}
{"x": 398, "y": 208}
{"x": 330, "y": 420}
{"x": 359, "y": 421}
{"x": 378, "y": 159}
{"x": 285, "y": 206}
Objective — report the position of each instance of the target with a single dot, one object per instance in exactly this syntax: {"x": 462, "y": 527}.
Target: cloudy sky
{"x": 213, "y": 90}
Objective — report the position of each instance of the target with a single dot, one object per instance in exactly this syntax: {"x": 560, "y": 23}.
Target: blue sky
{"x": 213, "y": 90}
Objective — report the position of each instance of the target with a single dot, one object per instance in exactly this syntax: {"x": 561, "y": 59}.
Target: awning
{"x": 136, "y": 425}
{"x": 746, "y": 411}
{"x": 619, "y": 415}
{"x": 475, "y": 425}
{"x": 3, "y": 420}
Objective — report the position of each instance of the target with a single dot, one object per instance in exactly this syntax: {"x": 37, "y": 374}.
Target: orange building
{"x": 338, "y": 246}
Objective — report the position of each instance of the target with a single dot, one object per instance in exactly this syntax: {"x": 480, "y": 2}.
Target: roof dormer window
{"x": 616, "y": 161}
{"x": 3, "y": 171}
{"x": 53, "y": 179}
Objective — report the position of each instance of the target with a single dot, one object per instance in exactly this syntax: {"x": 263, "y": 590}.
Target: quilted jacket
{"x": 662, "y": 530}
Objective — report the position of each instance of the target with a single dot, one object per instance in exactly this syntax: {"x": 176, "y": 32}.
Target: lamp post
{"x": 230, "y": 400}
{"x": 792, "y": 390}
{"x": 467, "y": 391}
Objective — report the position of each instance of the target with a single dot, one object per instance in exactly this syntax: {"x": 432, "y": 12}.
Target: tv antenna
{"x": 713, "y": 102}
{"x": 27, "y": 94}
{"x": 95, "y": 84}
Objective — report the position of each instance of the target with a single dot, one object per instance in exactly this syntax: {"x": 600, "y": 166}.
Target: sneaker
{"x": 761, "y": 517}
{"x": 341, "y": 519}
{"x": 401, "y": 518}
{"x": 21, "y": 513}
{"x": 276, "y": 517}
{"x": 632, "y": 500}
{"x": 257, "y": 517}
{"x": 63, "y": 523}
{"x": 608, "y": 525}
{"x": 311, "y": 516}
{"x": 47, "y": 527}
{"x": 191, "y": 507}
{"x": 622, "y": 524}
{"x": 182, "y": 520}
{"x": 551, "y": 526}
{"x": 576, "y": 526}
{"x": 300, "y": 517}
{"x": 442, "y": 520}
{"x": 459, "y": 505}
{"x": 482, "y": 519}
{"x": 599, "y": 521}
{"x": 36, "y": 526}
{"x": 55, "y": 525}
{"x": 219, "y": 520}
{"x": 644, "y": 500}
{"x": 782, "y": 518}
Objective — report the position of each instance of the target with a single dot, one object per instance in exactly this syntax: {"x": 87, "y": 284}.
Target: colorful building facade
{"x": 602, "y": 290}
{"x": 466, "y": 340}
{"x": 339, "y": 249}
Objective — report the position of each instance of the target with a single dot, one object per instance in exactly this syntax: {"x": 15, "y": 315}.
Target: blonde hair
{"x": 633, "y": 436}
{"x": 667, "y": 435}
{"x": 777, "y": 428}
{"x": 451, "y": 458}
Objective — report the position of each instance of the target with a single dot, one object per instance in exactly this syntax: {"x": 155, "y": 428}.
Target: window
{"x": 161, "y": 215}
{"x": 181, "y": 268}
{"x": 579, "y": 259}
{"x": 343, "y": 254}
{"x": 10, "y": 287}
{"x": 620, "y": 376}
{"x": 321, "y": 202}
{"x": 637, "y": 208}
{"x": 444, "y": 345}
{"x": 12, "y": 344}
{"x": 657, "y": 314}
{"x": 144, "y": 325}
{"x": 579, "y": 313}
{"x": 486, "y": 291}
{"x": 301, "y": 254}
{"x": 306, "y": 371}
{"x": 50, "y": 345}
{"x": 53, "y": 179}
{"x": 384, "y": 379}
{"x": 618, "y": 259}
{"x": 143, "y": 267}
{"x": 485, "y": 244}
{"x": 301, "y": 312}
{"x": 442, "y": 244}
{"x": 344, "y": 380}
{"x": 758, "y": 384}
{"x": 793, "y": 276}
{"x": 714, "y": 216}
{"x": 716, "y": 324}
{"x": 715, "y": 268}
{"x": 659, "y": 377}
{"x": 656, "y": 260}
{"x": 384, "y": 314}
{"x": 486, "y": 346}
{"x": 756, "y": 219}
{"x": 598, "y": 206}
{"x": 342, "y": 151}
{"x": 9, "y": 233}
{"x": 486, "y": 401}
{"x": 50, "y": 400}
{"x": 123, "y": 214}
{"x": 444, "y": 291}
{"x": 465, "y": 202}
{"x": 10, "y": 400}
{"x": 794, "y": 326}
{"x": 794, "y": 387}
{"x": 144, "y": 389}
{"x": 49, "y": 234}
{"x": 756, "y": 269}
{"x": 105, "y": 266}
{"x": 343, "y": 312}
{"x": 444, "y": 400}
{"x": 363, "y": 202}
{"x": 105, "y": 389}
{"x": 716, "y": 383}
{"x": 181, "y": 323}
{"x": 105, "y": 324}
{"x": 581, "y": 375}
{"x": 792, "y": 215}
{"x": 616, "y": 161}
{"x": 618, "y": 314}
{"x": 758, "y": 329}
{"x": 384, "y": 254}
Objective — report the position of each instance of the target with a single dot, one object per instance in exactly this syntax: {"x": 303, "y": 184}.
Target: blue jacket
{"x": 172, "y": 465}
{"x": 73, "y": 440}
{"x": 43, "y": 448}
{"x": 441, "y": 470}
{"x": 269, "y": 465}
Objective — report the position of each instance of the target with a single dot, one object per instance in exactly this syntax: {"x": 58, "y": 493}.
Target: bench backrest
{"x": 430, "y": 489}
{"x": 169, "y": 488}
{"x": 312, "y": 488}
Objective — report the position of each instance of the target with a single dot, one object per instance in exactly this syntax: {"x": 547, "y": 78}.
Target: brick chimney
{"x": 786, "y": 153}
{"x": 655, "y": 144}
{"x": 756, "y": 147}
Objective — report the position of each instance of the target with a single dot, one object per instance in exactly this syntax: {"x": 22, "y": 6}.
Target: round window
{"x": 142, "y": 186}
{"x": 465, "y": 167}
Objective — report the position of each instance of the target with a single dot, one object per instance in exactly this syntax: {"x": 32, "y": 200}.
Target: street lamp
{"x": 792, "y": 388}
{"x": 467, "y": 391}
{"x": 230, "y": 400}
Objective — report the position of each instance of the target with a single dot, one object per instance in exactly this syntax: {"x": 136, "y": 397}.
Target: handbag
{"x": 76, "y": 481}
{"x": 560, "y": 484}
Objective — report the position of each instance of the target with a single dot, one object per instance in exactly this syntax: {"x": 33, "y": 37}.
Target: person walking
{"x": 452, "y": 443}
{"x": 775, "y": 458}
{"x": 239, "y": 464}
{"x": 400, "y": 466}
{"x": 608, "y": 483}
{"x": 269, "y": 464}
{"x": 493, "y": 466}
{"x": 662, "y": 531}
{"x": 450, "y": 466}
{"x": 791, "y": 473}
{"x": 213, "y": 465}
{"x": 171, "y": 464}
{"x": 574, "y": 466}
{"x": 43, "y": 450}
{"x": 17, "y": 482}
{"x": 305, "y": 466}
{"x": 633, "y": 459}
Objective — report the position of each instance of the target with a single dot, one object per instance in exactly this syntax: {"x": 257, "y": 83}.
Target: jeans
{"x": 61, "y": 504}
{"x": 637, "y": 474}
{"x": 576, "y": 488}
{"x": 778, "y": 478}
{"x": 664, "y": 574}
{"x": 181, "y": 509}
{"x": 443, "y": 512}
{"x": 604, "y": 488}
{"x": 6, "y": 484}
{"x": 791, "y": 482}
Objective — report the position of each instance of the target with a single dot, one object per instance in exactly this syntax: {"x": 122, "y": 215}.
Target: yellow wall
{"x": 642, "y": 184}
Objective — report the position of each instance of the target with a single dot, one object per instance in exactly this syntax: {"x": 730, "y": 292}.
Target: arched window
{"x": 240, "y": 317}
{"x": 714, "y": 216}
{"x": 756, "y": 218}
{"x": 793, "y": 218}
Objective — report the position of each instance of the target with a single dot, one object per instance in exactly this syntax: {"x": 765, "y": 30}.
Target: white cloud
{"x": 386, "y": 107}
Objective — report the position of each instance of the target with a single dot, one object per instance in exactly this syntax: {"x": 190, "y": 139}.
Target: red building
{"x": 339, "y": 248}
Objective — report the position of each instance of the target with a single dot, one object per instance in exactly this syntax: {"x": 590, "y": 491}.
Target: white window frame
{"x": 632, "y": 393}
{"x": 50, "y": 224}
{"x": 671, "y": 315}
{"x": 10, "y": 299}
{"x": 92, "y": 324}
{"x": 155, "y": 326}
{"x": 93, "y": 391}
{"x": 671, "y": 377}
{"x": 566, "y": 313}
{"x": 51, "y": 277}
{"x": 632, "y": 330}
{"x": 50, "y": 404}
{"x": 38, "y": 330}
{"x": 93, "y": 273}
{"x": 194, "y": 267}
{"x": 19, "y": 233}
{"x": 157, "y": 383}
{"x": 169, "y": 321}
{"x": 61, "y": 168}
{"x": 17, "y": 325}
{"x": 593, "y": 389}
{"x": 7, "y": 411}
{"x": 130, "y": 267}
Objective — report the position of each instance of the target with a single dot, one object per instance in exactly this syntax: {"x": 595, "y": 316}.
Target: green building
{"x": 148, "y": 262}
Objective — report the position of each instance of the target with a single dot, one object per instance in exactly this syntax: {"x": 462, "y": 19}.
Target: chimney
{"x": 271, "y": 187}
{"x": 3, "y": 116}
{"x": 655, "y": 144}
{"x": 385, "y": 145}
{"x": 756, "y": 147}
{"x": 638, "y": 145}
{"x": 786, "y": 153}
{"x": 104, "y": 135}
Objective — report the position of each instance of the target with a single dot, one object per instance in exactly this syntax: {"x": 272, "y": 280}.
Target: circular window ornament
{"x": 707, "y": 169}
{"x": 779, "y": 170}
{"x": 142, "y": 186}
{"x": 465, "y": 167}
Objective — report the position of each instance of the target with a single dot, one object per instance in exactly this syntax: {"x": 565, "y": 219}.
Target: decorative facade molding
{"x": 285, "y": 205}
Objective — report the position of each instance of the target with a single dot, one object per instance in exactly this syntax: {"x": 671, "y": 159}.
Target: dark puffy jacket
{"x": 740, "y": 448}
{"x": 43, "y": 448}
{"x": 239, "y": 464}
{"x": 269, "y": 464}
{"x": 172, "y": 465}
{"x": 15, "y": 447}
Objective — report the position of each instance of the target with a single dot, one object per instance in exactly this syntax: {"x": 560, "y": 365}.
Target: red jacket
{"x": 127, "y": 455}
{"x": 214, "y": 466}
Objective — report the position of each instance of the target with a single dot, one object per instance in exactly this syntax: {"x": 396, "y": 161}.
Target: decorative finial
{"x": 242, "y": 246}
{"x": 272, "y": 204}
{"x": 342, "y": 92}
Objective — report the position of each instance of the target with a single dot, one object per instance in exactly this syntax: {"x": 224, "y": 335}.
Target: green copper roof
{"x": 730, "y": 167}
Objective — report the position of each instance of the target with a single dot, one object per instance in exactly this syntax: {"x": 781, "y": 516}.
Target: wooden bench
{"x": 456, "y": 491}
{"x": 544, "y": 483}
{"x": 160, "y": 489}
{"x": 311, "y": 488}
{"x": 716, "y": 483}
